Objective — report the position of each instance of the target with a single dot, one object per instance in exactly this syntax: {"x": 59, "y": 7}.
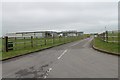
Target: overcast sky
{"x": 81, "y": 16}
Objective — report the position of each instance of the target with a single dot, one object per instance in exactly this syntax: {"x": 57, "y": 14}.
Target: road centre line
{"x": 74, "y": 44}
{"x": 47, "y": 73}
{"x": 58, "y": 58}
{"x": 62, "y": 54}
{"x": 77, "y": 43}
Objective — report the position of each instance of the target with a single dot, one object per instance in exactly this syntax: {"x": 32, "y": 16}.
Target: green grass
{"x": 24, "y": 51}
{"x": 38, "y": 44}
{"x": 0, "y": 43}
{"x": 110, "y": 47}
{"x": 0, "y": 46}
{"x": 111, "y": 38}
{"x": 24, "y": 43}
{"x": 113, "y": 34}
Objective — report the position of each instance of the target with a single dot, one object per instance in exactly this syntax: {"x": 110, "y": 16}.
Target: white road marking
{"x": 62, "y": 54}
{"x": 74, "y": 44}
{"x": 49, "y": 69}
{"x": 47, "y": 73}
{"x": 77, "y": 43}
{"x": 45, "y": 77}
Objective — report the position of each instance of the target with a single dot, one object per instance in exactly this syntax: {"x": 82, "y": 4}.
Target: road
{"x": 71, "y": 60}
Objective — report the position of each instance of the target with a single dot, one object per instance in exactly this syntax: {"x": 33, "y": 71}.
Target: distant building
{"x": 39, "y": 34}
{"x": 80, "y": 33}
{"x": 45, "y": 34}
{"x": 70, "y": 33}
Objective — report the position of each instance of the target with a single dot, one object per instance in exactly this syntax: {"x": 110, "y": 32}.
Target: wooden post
{"x": 59, "y": 38}
{"x": 6, "y": 43}
{"x": 46, "y": 35}
{"x": 15, "y": 44}
{"x": 70, "y": 38}
{"x": 106, "y": 36}
{"x": 53, "y": 39}
{"x": 45, "y": 40}
{"x": 24, "y": 42}
{"x": 31, "y": 41}
{"x": 36, "y": 41}
{"x": 112, "y": 36}
{"x": 64, "y": 39}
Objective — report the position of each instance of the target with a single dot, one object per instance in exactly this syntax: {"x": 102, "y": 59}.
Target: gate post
{"x": 6, "y": 43}
{"x": 31, "y": 41}
{"x": 106, "y": 36}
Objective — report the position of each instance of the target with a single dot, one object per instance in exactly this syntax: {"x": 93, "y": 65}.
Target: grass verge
{"x": 107, "y": 47}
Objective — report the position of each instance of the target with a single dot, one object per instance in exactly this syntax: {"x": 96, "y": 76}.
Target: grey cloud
{"x": 88, "y": 17}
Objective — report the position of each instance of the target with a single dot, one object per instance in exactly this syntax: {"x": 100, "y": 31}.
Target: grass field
{"x": 113, "y": 36}
{"x": 110, "y": 47}
{"x": 21, "y": 43}
{"x": 0, "y": 43}
{"x": 23, "y": 46}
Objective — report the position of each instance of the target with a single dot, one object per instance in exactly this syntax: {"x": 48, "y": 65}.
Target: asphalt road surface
{"x": 72, "y": 60}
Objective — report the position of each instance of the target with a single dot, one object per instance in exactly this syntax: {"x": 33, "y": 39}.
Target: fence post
{"x": 64, "y": 39}
{"x": 31, "y": 41}
{"x": 59, "y": 38}
{"x": 6, "y": 43}
{"x": 106, "y": 36}
{"x": 45, "y": 40}
{"x": 103, "y": 36}
{"x": 53, "y": 39}
{"x": 15, "y": 43}
{"x": 113, "y": 37}
{"x": 36, "y": 41}
{"x": 24, "y": 42}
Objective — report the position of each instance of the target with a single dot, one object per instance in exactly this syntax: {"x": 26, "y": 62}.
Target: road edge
{"x": 104, "y": 51}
